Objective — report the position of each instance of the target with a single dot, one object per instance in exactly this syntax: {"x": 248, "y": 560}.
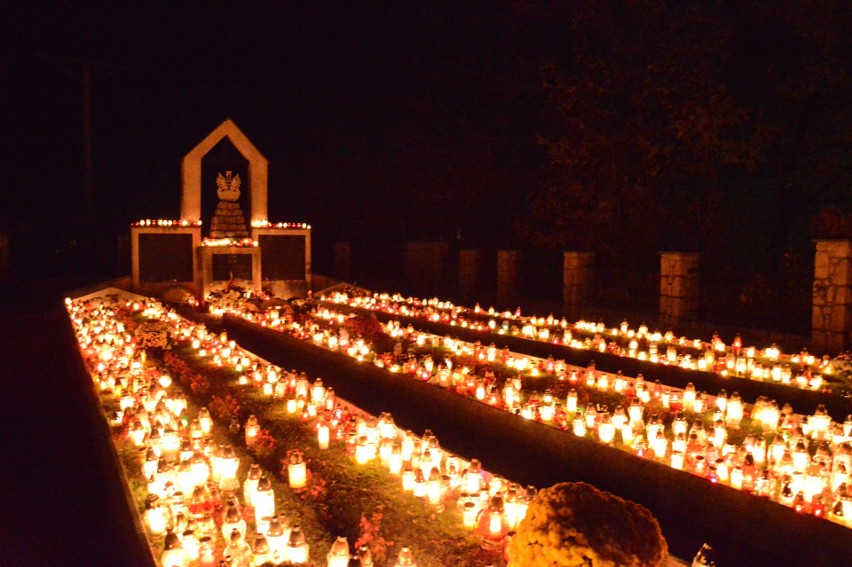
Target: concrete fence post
{"x": 831, "y": 320}
{"x": 678, "y": 285}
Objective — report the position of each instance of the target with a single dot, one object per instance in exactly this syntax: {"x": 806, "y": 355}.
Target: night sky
{"x": 621, "y": 127}
{"x": 361, "y": 109}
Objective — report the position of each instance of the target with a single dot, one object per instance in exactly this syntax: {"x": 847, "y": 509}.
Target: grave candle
{"x": 469, "y": 513}
{"x": 571, "y": 401}
{"x": 579, "y": 427}
{"x": 338, "y": 555}
{"x": 434, "y": 494}
{"x": 297, "y": 472}
{"x": 323, "y": 435}
{"x": 174, "y": 555}
{"x": 263, "y": 499}
{"x": 297, "y": 549}
{"x": 277, "y": 537}
{"x": 250, "y": 484}
{"x": 473, "y": 477}
{"x": 737, "y": 478}
{"x": 260, "y": 550}
{"x": 405, "y": 558}
{"x": 252, "y": 429}
{"x": 606, "y": 429}
{"x": 232, "y": 521}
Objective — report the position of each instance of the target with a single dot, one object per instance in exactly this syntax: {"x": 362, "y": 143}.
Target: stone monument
{"x": 258, "y": 254}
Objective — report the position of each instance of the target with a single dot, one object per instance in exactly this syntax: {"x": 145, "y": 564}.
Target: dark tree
{"x": 715, "y": 126}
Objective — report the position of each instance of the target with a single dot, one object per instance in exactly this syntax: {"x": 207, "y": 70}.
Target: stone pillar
{"x": 343, "y": 260}
{"x": 577, "y": 280}
{"x": 425, "y": 267}
{"x": 831, "y": 322}
{"x": 508, "y": 262}
{"x": 470, "y": 272}
{"x": 678, "y": 285}
{"x": 4, "y": 257}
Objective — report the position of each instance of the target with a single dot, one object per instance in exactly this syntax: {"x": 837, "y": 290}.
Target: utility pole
{"x": 88, "y": 177}
{"x": 81, "y": 70}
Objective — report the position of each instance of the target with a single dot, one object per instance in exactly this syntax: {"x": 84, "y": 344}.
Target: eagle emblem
{"x": 228, "y": 187}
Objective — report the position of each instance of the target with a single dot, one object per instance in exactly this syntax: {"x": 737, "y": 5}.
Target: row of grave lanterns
{"x": 714, "y": 356}
{"x": 492, "y": 507}
{"x": 801, "y": 485}
{"x": 782, "y": 469}
{"x": 167, "y": 223}
{"x": 186, "y": 471}
{"x": 191, "y": 464}
{"x": 419, "y": 463}
{"x": 180, "y": 458}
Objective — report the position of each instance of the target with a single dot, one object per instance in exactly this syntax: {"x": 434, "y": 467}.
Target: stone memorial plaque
{"x": 165, "y": 258}
{"x": 226, "y": 266}
{"x": 283, "y": 256}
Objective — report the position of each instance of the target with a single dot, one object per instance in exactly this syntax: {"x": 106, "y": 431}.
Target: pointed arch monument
{"x": 168, "y": 253}
{"x": 258, "y": 172}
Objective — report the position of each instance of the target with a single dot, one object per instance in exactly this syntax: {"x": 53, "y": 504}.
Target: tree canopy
{"x": 715, "y": 126}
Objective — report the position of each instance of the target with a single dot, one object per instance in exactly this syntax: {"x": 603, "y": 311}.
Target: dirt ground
{"x": 62, "y": 496}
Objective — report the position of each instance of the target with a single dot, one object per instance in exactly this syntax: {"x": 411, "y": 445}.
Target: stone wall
{"x": 831, "y": 324}
{"x": 228, "y": 221}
